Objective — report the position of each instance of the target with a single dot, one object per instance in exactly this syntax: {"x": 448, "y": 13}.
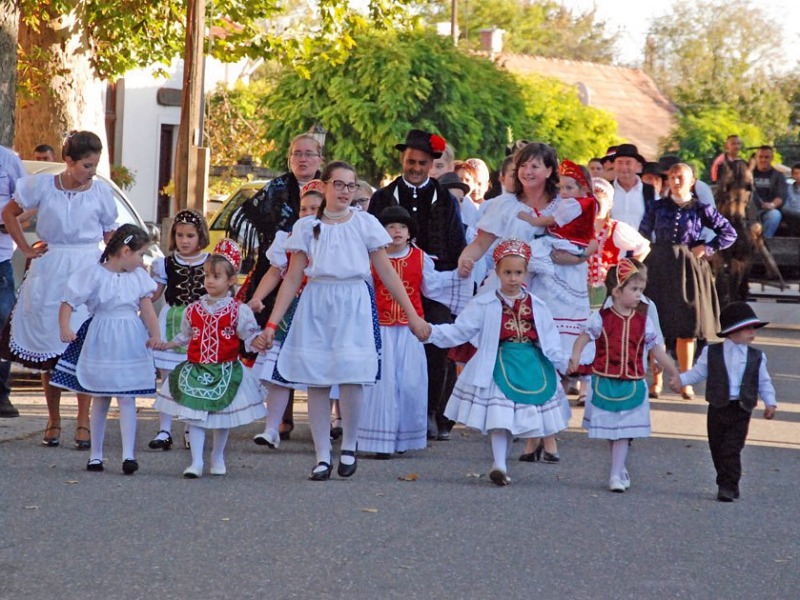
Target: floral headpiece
{"x": 511, "y": 247}
{"x": 438, "y": 143}
{"x": 192, "y": 217}
{"x": 570, "y": 169}
{"x": 229, "y": 250}
{"x": 316, "y": 186}
{"x": 625, "y": 270}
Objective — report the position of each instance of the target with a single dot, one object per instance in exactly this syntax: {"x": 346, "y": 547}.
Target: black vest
{"x": 718, "y": 384}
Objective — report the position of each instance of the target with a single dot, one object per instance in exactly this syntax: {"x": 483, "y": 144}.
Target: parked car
{"x": 218, "y": 224}
{"x": 126, "y": 213}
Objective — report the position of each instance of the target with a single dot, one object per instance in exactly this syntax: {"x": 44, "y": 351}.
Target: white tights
{"x": 501, "y": 442}
{"x": 351, "y": 396}
{"x": 277, "y": 401}
{"x": 619, "y": 454}
{"x": 127, "y": 425}
{"x": 197, "y": 441}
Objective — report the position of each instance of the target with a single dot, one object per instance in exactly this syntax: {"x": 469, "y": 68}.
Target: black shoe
{"x": 336, "y": 430}
{"x": 551, "y": 458}
{"x": 736, "y": 492}
{"x": 444, "y": 434}
{"x": 129, "y": 466}
{"x": 158, "y": 444}
{"x": 321, "y": 475}
{"x": 347, "y": 470}
{"x": 534, "y": 456}
{"x": 287, "y": 433}
{"x": 725, "y": 495}
{"x": 95, "y": 465}
{"x": 83, "y": 444}
{"x": 381, "y": 456}
{"x": 499, "y": 477}
{"x": 7, "y": 410}
{"x": 51, "y": 441}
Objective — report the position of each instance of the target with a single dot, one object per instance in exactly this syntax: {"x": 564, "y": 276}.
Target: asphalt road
{"x": 263, "y": 531}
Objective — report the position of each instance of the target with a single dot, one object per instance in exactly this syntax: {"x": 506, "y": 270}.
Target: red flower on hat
{"x": 437, "y": 143}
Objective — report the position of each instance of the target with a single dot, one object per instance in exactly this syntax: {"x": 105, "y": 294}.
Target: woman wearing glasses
{"x": 334, "y": 336}
{"x": 274, "y": 208}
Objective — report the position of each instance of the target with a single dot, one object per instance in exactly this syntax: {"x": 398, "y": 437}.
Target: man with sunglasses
{"x": 436, "y": 219}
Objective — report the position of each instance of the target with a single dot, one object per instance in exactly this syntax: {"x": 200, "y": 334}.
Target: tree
{"x": 539, "y": 27}
{"x": 69, "y": 47}
{"x": 700, "y": 135}
{"x": 720, "y": 53}
{"x": 393, "y": 82}
{"x": 9, "y": 17}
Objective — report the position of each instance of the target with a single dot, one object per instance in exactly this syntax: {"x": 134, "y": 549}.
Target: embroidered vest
{"x": 184, "y": 282}
{"x": 516, "y": 324}
{"x": 606, "y": 256}
{"x": 619, "y": 351}
{"x": 580, "y": 230}
{"x": 214, "y": 338}
{"x": 409, "y": 268}
{"x": 718, "y": 385}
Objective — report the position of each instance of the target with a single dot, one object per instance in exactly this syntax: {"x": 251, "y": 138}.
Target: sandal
{"x": 83, "y": 444}
{"x": 53, "y": 440}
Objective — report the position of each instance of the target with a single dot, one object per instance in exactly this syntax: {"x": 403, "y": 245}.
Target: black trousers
{"x": 727, "y": 432}
{"x": 441, "y": 370}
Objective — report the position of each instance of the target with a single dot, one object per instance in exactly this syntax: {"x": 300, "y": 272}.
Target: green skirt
{"x": 173, "y": 328}
{"x": 524, "y": 374}
{"x": 616, "y": 395}
{"x": 205, "y": 387}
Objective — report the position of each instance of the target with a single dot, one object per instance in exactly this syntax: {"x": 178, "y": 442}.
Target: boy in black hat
{"x": 737, "y": 375}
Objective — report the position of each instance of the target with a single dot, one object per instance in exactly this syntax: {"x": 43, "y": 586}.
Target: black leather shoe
{"x": 347, "y": 470}
{"x": 158, "y": 444}
{"x": 8, "y": 410}
{"x": 551, "y": 458}
{"x": 498, "y": 477}
{"x": 534, "y": 456}
{"x": 83, "y": 444}
{"x": 725, "y": 495}
{"x": 95, "y": 465}
{"x": 286, "y": 434}
{"x": 321, "y": 475}
{"x": 381, "y": 456}
{"x": 129, "y": 466}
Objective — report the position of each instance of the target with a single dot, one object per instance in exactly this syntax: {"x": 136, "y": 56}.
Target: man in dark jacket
{"x": 439, "y": 231}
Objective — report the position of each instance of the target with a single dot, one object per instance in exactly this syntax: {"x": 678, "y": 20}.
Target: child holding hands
{"x": 109, "y": 355}
{"x": 737, "y": 375}
{"x": 617, "y": 408}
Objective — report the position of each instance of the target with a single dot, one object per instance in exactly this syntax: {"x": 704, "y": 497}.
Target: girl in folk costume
{"x": 278, "y": 389}
{"x": 510, "y": 388}
{"x": 110, "y": 356}
{"x": 334, "y": 337}
{"x": 180, "y": 278}
{"x": 618, "y": 408}
{"x": 395, "y": 408}
{"x": 212, "y": 389}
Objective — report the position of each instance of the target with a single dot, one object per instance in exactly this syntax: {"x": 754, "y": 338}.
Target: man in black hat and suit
{"x": 631, "y": 194}
{"x": 440, "y": 233}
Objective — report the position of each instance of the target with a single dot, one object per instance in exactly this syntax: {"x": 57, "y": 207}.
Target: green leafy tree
{"x": 539, "y": 27}
{"x": 68, "y": 47}
{"x": 700, "y": 135}
{"x": 393, "y": 82}
{"x": 720, "y": 53}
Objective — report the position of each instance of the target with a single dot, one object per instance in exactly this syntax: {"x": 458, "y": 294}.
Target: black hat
{"x": 653, "y": 168}
{"x": 668, "y": 161}
{"x": 395, "y": 214}
{"x": 629, "y": 151}
{"x": 422, "y": 140}
{"x": 736, "y": 316}
{"x": 451, "y": 180}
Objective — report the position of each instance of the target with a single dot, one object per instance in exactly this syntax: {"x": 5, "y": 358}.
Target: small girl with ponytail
{"x": 110, "y": 354}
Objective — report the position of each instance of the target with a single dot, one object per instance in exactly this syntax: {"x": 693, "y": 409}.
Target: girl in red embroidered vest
{"x": 510, "y": 387}
{"x": 212, "y": 389}
{"x": 394, "y": 418}
{"x": 180, "y": 278}
{"x": 617, "y": 409}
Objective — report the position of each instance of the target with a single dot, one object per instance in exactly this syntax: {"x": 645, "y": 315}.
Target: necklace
{"x": 66, "y": 189}
{"x": 336, "y": 216}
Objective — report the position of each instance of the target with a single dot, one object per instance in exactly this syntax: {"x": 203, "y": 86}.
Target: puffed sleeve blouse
{"x": 669, "y": 223}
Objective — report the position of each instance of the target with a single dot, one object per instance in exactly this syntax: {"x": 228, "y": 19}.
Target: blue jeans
{"x": 770, "y": 219}
{"x": 7, "y": 299}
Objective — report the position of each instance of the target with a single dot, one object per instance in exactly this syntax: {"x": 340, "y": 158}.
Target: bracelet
{"x": 271, "y": 325}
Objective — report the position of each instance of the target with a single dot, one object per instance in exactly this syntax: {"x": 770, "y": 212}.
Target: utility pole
{"x": 454, "y": 22}
{"x": 191, "y": 160}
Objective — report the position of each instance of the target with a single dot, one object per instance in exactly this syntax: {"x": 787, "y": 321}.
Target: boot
{"x": 7, "y": 410}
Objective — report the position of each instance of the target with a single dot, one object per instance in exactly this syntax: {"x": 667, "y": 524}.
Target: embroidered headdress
{"x": 315, "y": 186}
{"x": 625, "y": 270}
{"x": 570, "y": 169}
{"x": 228, "y": 249}
{"x": 511, "y": 247}
{"x": 192, "y": 217}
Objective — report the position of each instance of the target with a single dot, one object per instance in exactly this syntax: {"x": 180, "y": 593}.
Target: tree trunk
{"x": 68, "y": 96}
{"x": 9, "y": 19}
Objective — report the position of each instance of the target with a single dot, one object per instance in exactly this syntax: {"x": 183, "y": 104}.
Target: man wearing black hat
{"x": 439, "y": 231}
{"x": 631, "y": 194}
